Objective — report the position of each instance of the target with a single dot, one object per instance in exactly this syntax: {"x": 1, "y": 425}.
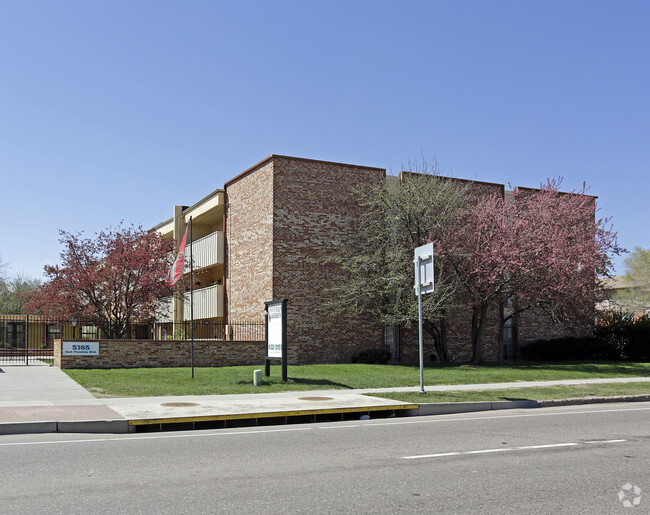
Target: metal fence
{"x": 206, "y": 330}
{"x": 34, "y": 335}
{"x": 25, "y": 338}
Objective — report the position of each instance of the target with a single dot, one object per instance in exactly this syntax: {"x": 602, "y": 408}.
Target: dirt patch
{"x": 100, "y": 393}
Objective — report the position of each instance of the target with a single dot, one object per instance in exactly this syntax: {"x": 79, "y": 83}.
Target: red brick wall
{"x": 249, "y": 243}
{"x": 314, "y": 203}
{"x": 281, "y": 217}
{"x": 409, "y": 350}
{"x": 164, "y": 353}
{"x": 459, "y": 338}
{"x": 459, "y": 330}
{"x": 534, "y": 325}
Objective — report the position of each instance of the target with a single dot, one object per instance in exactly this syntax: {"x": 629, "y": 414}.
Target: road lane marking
{"x": 487, "y": 451}
{"x": 339, "y": 427}
{"x": 507, "y": 449}
{"x": 605, "y": 441}
{"x": 128, "y": 438}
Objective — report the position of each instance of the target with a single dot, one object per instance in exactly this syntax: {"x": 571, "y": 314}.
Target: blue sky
{"x": 115, "y": 111}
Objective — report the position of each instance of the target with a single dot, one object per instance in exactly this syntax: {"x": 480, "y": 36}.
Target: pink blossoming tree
{"x": 111, "y": 280}
{"x": 540, "y": 249}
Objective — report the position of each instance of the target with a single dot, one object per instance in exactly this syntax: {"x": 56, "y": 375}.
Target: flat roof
{"x": 188, "y": 208}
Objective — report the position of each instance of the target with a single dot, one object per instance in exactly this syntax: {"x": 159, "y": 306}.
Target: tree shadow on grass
{"x": 596, "y": 368}
{"x": 590, "y": 367}
{"x": 324, "y": 383}
{"x": 624, "y": 368}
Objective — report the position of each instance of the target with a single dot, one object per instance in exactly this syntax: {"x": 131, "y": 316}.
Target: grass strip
{"x": 231, "y": 380}
{"x": 527, "y": 393}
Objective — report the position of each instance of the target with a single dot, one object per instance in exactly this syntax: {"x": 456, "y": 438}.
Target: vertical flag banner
{"x": 176, "y": 271}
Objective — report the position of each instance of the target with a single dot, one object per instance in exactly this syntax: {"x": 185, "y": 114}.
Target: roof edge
{"x": 156, "y": 227}
{"x": 292, "y": 158}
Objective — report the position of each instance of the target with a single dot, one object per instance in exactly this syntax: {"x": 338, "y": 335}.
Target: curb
{"x": 444, "y": 408}
{"x": 72, "y": 426}
{"x": 592, "y": 400}
{"x": 270, "y": 418}
{"x": 94, "y": 426}
{"x": 122, "y": 426}
{"x": 23, "y": 428}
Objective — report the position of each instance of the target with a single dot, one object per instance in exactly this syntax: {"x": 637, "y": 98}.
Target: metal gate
{"x": 25, "y": 339}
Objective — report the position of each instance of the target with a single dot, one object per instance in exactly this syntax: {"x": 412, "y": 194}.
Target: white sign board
{"x": 276, "y": 334}
{"x": 80, "y": 349}
{"x": 423, "y": 284}
{"x": 424, "y": 268}
{"x": 275, "y": 331}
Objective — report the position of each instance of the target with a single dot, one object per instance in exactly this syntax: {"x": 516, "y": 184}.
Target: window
{"x": 88, "y": 332}
{"x": 15, "y": 335}
{"x": 52, "y": 332}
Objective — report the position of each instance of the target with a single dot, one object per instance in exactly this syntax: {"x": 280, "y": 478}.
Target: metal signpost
{"x": 276, "y": 334}
{"x": 423, "y": 284}
{"x": 191, "y": 297}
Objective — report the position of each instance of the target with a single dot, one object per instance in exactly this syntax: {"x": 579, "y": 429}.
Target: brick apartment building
{"x": 267, "y": 235}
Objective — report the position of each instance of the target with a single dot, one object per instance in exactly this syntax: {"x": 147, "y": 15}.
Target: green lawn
{"x": 225, "y": 380}
{"x": 529, "y": 393}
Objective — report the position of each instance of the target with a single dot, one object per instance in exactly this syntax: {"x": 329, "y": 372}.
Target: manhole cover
{"x": 179, "y": 404}
{"x": 315, "y": 398}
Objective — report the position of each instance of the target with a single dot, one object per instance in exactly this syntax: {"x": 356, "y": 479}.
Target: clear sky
{"x": 116, "y": 110}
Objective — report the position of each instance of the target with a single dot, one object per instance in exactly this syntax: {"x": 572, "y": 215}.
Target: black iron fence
{"x": 206, "y": 330}
{"x": 36, "y": 334}
{"x": 26, "y": 337}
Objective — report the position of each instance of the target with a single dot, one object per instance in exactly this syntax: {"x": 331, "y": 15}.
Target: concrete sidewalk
{"x": 40, "y": 398}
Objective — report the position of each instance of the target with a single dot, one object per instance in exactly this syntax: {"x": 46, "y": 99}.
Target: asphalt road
{"x": 556, "y": 460}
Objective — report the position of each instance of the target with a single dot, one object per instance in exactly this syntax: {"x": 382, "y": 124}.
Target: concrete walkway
{"x": 40, "y": 398}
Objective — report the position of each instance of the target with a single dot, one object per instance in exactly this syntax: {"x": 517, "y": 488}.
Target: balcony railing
{"x": 208, "y": 303}
{"x": 203, "y": 330}
{"x": 206, "y": 251}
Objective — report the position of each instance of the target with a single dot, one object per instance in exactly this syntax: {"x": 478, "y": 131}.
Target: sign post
{"x": 276, "y": 334}
{"x": 423, "y": 261}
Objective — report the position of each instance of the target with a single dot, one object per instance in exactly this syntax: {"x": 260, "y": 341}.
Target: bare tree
{"x": 14, "y": 292}
{"x": 401, "y": 213}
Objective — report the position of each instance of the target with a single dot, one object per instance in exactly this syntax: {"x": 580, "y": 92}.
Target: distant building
{"x": 625, "y": 297}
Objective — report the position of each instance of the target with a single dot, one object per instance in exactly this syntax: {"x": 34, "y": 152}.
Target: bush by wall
{"x": 568, "y": 349}
{"x": 630, "y": 336}
{"x": 618, "y": 336}
{"x": 372, "y": 357}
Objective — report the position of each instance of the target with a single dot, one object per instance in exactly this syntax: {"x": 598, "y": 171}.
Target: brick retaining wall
{"x": 165, "y": 353}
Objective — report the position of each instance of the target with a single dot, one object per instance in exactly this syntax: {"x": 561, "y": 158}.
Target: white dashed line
{"x": 509, "y": 449}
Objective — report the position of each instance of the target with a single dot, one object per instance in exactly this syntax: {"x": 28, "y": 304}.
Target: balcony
{"x": 206, "y": 252}
{"x": 208, "y": 303}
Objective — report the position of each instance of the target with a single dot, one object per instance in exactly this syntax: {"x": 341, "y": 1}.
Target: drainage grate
{"x": 297, "y": 417}
{"x": 315, "y": 398}
{"x": 180, "y": 404}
